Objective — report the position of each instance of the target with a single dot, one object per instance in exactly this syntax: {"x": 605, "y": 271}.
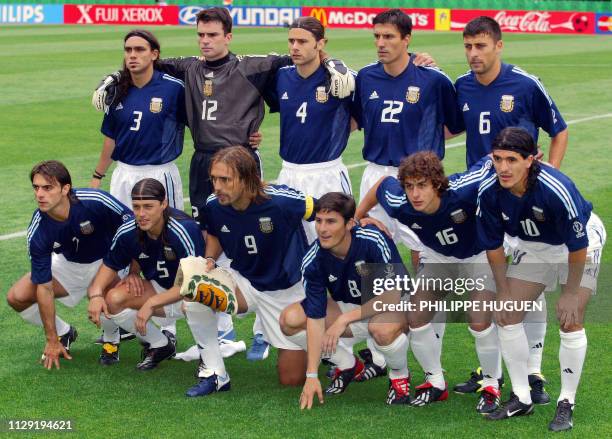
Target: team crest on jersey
{"x": 458, "y": 216}
{"x": 169, "y": 254}
{"x": 361, "y": 268}
{"x": 538, "y": 214}
{"x": 507, "y": 103}
{"x": 389, "y": 271}
{"x": 578, "y": 228}
{"x": 265, "y": 224}
{"x": 321, "y": 95}
{"x": 156, "y": 105}
{"x": 87, "y": 228}
{"x": 208, "y": 88}
{"x": 413, "y": 94}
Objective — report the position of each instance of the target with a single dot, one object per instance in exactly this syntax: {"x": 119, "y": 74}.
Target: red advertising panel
{"x": 553, "y": 22}
{"x": 120, "y": 14}
{"x": 362, "y": 17}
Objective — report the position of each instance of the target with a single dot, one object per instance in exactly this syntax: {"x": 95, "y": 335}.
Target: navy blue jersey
{"x": 404, "y": 114}
{"x": 552, "y": 211}
{"x": 266, "y": 242}
{"x": 84, "y": 237}
{"x": 315, "y": 126}
{"x": 451, "y": 230}
{"x": 148, "y": 125}
{"x": 322, "y": 271}
{"x": 158, "y": 260}
{"x": 514, "y": 99}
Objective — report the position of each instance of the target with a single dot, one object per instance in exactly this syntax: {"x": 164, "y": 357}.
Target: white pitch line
{"x": 353, "y": 166}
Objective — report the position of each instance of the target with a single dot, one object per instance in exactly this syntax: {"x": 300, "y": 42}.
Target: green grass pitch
{"x": 46, "y": 79}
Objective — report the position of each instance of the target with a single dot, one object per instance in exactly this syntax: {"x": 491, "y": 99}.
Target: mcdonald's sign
{"x": 362, "y": 17}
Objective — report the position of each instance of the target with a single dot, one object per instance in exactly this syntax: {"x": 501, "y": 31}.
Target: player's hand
{"x": 373, "y": 221}
{"x": 424, "y": 59}
{"x": 255, "y": 139}
{"x": 52, "y": 353}
{"x": 134, "y": 283}
{"x": 341, "y": 82}
{"x": 568, "y": 310}
{"x": 312, "y": 387}
{"x": 142, "y": 317}
{"x": 97, "y": 305}
{"x": 105, "y": 93}
{"x": 540, "y": 155}
{"x": 332, "y": 335}
{"x": 95, "y": 183}
{"x": 189, "y": 267}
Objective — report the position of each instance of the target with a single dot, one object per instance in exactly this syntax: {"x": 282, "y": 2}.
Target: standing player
{"x": 70, "y": 233}
{"x": 260, "y": 229}
{"x": 557, "y": 233}
{"x": 156, "y": 240}
{"x": 144, "y": 129}
{"x": 492, "y": 96}
{"x": 442, "y": 213}
{"x": 338, "y": 262}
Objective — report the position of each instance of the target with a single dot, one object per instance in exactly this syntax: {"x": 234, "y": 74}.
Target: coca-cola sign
{"x": 560, "y": 22}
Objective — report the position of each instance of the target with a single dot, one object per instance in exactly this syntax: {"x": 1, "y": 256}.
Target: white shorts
{"x": 126, "y": 176}
{"x": 173, "y": 311}
{"x": 316, "y": 180}
{"x": 547, "y": 264}
{"x": 267, "y": 306}
{"x": 74, "y": 277}
{"x": 438, "y": 266}
{"x": 360, "y": 328}
{"x": 400, "y": 233}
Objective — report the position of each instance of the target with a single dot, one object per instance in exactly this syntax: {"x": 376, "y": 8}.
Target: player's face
{"x": 482, "y": 52}
{"x": 390, "y": 46}
{"x": 303, "y": 47}
{"x": 229, "y": 189}
{"x": 422, "y": 194}
{"x": 212, "y": 41}
{"x": 48, "y": 194}
{"x": 138, "y": 55}
{"x": 331, "y": 229}
{"x": 149, "y": 215}
{"x": 512, "y": 169}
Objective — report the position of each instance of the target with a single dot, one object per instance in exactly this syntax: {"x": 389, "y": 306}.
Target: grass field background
{"x": 46, "y": 79}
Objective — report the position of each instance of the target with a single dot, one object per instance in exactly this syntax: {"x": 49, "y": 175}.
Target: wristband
{"x": 94, "y": 296}
{"x": 212, "y": 259}
{"x": 312, "y": 375}
{"x": 97, "y": 175}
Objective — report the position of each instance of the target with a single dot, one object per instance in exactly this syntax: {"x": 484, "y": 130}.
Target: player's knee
{"x": 292, "y": 319}
{"x": 479, "y": 326}
{"x": 116, "y": 299}
{"x": 17, "y": 300}
{"x": 291, "y": 367}
{"x": 384, "y": 334}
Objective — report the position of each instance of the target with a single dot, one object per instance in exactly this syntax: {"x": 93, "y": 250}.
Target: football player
{"x": 559, "y": 238}
{"x": 339, "y": 262}
{"x": 68, "y": 236}
{"x": 155, "y": 241}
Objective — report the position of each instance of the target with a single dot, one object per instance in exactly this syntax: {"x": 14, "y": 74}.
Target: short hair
{"x": 55, "y": 172}
{"x": 424, "y": 164}
{"x": 397, "y": 17}
{"x": 244, "y": 166}
{"x": 483, "y": 25}
{"x": 337, "y": 202}
{"x": 218, "y": 14}
{"x": 311, "y": 24}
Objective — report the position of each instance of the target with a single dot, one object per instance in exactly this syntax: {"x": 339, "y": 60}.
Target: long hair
{"x": 55, "y": 171}
{"x": 125, "y": 81}
{"x": 244, "y": 166}
{"x": 519, "y": 140}
{"x": 424, "y": 164}
{"x": 151, "y": 189}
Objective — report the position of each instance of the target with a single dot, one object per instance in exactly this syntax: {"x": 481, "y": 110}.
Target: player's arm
{"x": 95, "y": 293}
{"x": 53, "y": 348}
{"x": 105, "y": 160}
{"x": 369, "y": 201}
{"x": 497, "y": 261}
{"x": 213, "y": 250}
{"x": 315, "y": 330}
{"x": 155, "y": 302}
{"x": 558, "y": 146}
{"x": 569, "y": 303}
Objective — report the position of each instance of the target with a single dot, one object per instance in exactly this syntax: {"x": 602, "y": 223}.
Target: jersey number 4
{"x": 301, "y": 112}
{"x": 392, "y": 109}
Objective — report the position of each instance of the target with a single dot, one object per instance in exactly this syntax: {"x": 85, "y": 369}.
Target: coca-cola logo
{"x": 533, "y": 21}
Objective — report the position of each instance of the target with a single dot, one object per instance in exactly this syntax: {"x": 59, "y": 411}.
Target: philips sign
{"x": 247, "y": 16}
{"x": 31, "y": 14}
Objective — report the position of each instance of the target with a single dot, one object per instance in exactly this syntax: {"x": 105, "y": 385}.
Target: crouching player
{"x": 339, "y": 262}
{"x": 70, "y": 232}
{"x": 442, "y": 213}
{"x": 155, "y": 241}
{"x": 559, "y": 239}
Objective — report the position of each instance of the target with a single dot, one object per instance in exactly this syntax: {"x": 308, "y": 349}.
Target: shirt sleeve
{"x": 109, "y": 125}
{"x": 271, "y": 96}
{"x": 489, "y": 223}
{"x": 294, "y": 204}
{"x": 40, "y": 261}
{"x": 118, "y": 256}
{"x": 466, "y": 184}
{"x": 176, "y": 66}
{"x": 544, "y": 111}
{"x": 261, "y": 70}
{"x": 315, "y": 302}
{"x": 571, "y": 221}
{"x": 391, "y": 196}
